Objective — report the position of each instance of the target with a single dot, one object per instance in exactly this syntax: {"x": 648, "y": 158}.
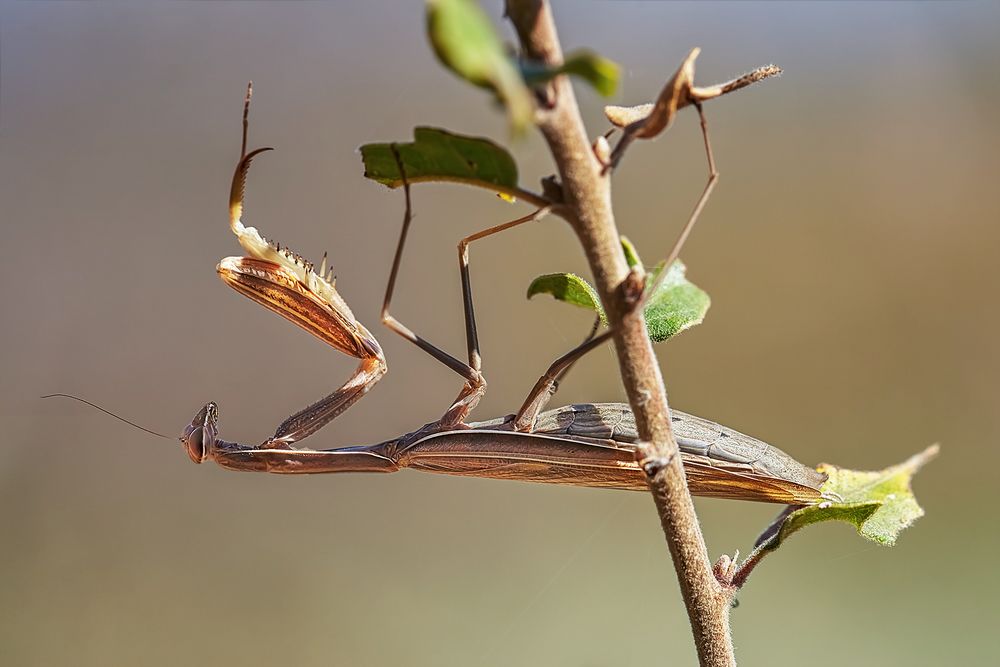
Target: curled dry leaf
{"x": 623, "y": 116}
{"x": 646, "y": 121}
{"x": 665, "y": 108}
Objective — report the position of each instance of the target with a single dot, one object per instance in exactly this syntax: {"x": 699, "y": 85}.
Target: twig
{"x": 733, "y": 574}
{"x": 588, "y": 201}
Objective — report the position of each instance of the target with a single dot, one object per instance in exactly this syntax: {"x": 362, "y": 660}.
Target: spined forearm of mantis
{"x": 584, "y": 445}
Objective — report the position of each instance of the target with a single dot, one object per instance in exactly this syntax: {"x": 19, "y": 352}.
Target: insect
{"x": 585, "y": 445}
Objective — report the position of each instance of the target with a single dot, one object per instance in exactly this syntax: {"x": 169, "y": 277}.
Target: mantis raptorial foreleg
{"x": 285, "y": 283}
{"x": 319, "y": 414}
{"x": 475, "y": 383}
{"x": 547, "y": 384}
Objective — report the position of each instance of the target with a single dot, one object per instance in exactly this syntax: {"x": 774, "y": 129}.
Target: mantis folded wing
{"x": 582, "y": 445}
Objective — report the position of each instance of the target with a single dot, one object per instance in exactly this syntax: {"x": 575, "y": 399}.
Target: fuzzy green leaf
{"x": 466, "y": 43}
{"x": 678, "y": 304}
{"x": 598, "y": 71}
{"x": 437, "y": 155}
{"x": 880, "y": 504}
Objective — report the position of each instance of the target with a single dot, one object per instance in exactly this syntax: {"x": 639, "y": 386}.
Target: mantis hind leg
{"x": 548, "y": 383}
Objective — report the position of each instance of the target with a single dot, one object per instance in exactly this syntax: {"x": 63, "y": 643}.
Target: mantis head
{"x": 199, "y": 435}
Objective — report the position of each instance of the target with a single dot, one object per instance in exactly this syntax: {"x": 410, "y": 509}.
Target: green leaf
{"x": 438, "y": 155}
{"x": 880, "y": 504}
{"x": 677, "y": 304}
{"x": 599, "y": 72}
{"x": 466, "y": 43}
{"x": 569, "y": 288}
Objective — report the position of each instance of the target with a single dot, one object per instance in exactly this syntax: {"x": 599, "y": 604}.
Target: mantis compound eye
{"x": 199, "y": 435}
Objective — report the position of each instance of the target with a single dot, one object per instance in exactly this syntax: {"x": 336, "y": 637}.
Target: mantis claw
{"x": 284, "y": 282}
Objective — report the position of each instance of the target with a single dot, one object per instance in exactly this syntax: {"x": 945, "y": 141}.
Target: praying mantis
{"x": 590, "y": 445}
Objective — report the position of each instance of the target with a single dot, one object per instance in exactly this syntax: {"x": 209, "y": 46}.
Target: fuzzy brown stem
{"x": 587, "y": 193}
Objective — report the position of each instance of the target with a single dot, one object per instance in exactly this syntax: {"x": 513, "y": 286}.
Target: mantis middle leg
{"x": 475, "y": 383}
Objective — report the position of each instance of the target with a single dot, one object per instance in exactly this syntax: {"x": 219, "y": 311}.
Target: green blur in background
{"x": 849, "y": 250}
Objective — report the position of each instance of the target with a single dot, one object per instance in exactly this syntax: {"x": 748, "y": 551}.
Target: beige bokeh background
{"x": 850, "y": 253}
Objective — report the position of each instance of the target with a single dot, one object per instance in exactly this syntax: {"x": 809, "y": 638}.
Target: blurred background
{"x": 849, "y": 250}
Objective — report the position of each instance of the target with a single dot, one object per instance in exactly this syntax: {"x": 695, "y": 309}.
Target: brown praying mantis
{"x": 585, "y": 445}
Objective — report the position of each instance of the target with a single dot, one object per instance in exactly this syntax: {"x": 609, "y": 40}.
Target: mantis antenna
{"x": 109, "y": 413}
